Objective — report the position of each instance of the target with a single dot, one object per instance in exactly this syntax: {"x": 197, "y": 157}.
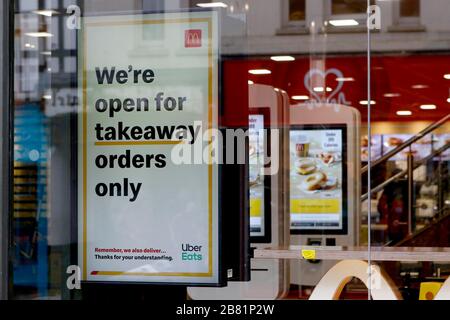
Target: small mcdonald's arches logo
{"x": 193, "y": 38}
{"x": 309, "y": 254}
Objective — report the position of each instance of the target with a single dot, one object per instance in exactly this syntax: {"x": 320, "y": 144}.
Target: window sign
{"x": 144, "y": 215}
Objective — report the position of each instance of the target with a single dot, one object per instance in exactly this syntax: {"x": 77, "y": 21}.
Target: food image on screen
{"x": 256, "y": 175}
{"x": 375, "y": 147}
{"x": 419, "y": 150}
{"x": 316, "y": 178}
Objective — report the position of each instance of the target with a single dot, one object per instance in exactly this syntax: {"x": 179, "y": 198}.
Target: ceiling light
{"x": 260, "y": 71}
{"x": 47, "y": 97}
{"x": 419, "y": 86}
{"x": 47, "y": 13}
{"x": 447, "y": 76}
{"x": 392, "y": 95}
{"x": 344, "y": 79}
{"x": 448, "y": 100}
{"x": 428, "y": 107}
{"x": 302, "y": 97}
{"x": 344, "y": 23}
{"x": 39, "y": 34}
{"x": 282, "y": 58}
{"x": 404, "y": 113}
{"x": 321, "y": 89}
{"x": 365, "y": 103}
{"x": 212, "y": 5}
{"x": 250, "y": 82}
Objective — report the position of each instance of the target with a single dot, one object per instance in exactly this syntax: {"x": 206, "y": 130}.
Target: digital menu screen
{"x": 259, "y": 191}
{"x": 419, "y": 150}
{"x": 318, "y": 174}
{"x": 375, "y": 145}
{"x": 439, "y": 141}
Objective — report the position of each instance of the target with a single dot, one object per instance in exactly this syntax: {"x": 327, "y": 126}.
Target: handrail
{"x": 406, "y": 144}
{"x": 417, "y": 233}
{"x": 405, "y": 172}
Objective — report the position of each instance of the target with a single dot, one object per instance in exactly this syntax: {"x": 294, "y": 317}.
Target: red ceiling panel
{"x": 390, "y": 74}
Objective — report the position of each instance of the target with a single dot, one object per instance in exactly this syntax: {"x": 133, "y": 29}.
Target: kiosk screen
{"x": 259, "y": 209}
{"x": 318, "y": 179}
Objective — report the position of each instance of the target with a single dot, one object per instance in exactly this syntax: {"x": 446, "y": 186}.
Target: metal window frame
{"x": 6, "y": 143}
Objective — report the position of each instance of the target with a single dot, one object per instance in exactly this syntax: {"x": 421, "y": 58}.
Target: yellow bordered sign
{"x": 154, "y": 238}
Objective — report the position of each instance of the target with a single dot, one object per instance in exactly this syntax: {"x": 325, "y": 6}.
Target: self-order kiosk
{"x": 324, "y": 182}
{"x": 269, "y": 197}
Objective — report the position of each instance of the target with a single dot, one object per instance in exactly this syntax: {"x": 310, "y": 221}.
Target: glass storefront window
{"x": 294, "y": 76}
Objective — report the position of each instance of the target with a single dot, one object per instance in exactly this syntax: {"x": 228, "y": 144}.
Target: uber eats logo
{"x": 191, "y": 252}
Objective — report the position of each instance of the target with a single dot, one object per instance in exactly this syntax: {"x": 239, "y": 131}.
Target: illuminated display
{"x": 317, "y": 179}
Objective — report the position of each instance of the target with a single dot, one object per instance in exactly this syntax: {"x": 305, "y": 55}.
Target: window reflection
{"x": 410, "y": 80}
{"x": 297, "y": 10}
{"x": 349, "y": 6}
{"x": 409, "y": 8}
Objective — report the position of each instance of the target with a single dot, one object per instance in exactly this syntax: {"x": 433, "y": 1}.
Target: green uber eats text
{"x": 191, "y": 252}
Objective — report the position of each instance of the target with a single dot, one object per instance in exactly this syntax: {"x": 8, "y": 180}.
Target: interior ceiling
{"x": 390, "y": 74}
